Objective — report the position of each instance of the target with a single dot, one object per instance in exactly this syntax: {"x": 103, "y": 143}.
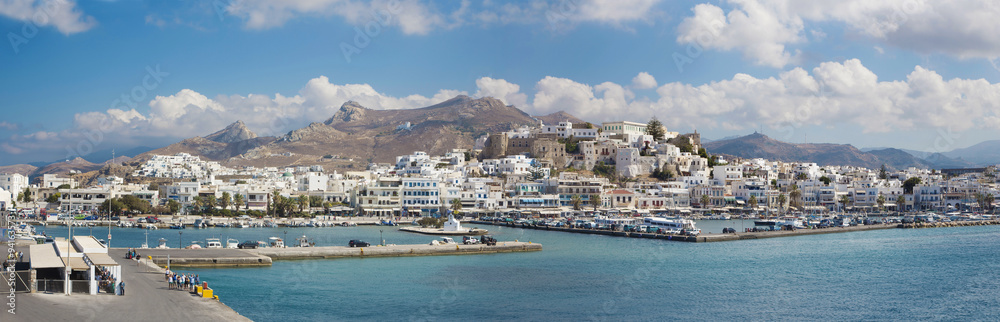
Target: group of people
{"x": 11, "y": 258}
{"x": 106, "y": 281}
{"x": 186, "y": 282}
{"x": 132, "y": 254}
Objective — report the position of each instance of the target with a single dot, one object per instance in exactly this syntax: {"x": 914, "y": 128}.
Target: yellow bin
{"x": 206, "y": 293}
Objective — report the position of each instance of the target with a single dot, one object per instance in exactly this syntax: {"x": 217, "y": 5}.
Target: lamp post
{"x": 380, "y": 237}
{"x": 180, "y": 243}
{"x": 285, "y": 240}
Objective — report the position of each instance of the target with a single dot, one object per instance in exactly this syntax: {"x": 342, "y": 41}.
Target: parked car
{"x": 91, "y": 217}
{"x": 488, "y": 240}
{"x": 250, "y": 244}
{"x": 469, "y": 240}
{"x": 152, "y": 220}
{"x": 358, "y": 243}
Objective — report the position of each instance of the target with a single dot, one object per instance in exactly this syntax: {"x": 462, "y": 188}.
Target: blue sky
{"x": 914, "y": 74}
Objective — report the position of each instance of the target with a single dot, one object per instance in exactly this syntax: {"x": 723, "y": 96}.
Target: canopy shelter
{"x": 44, "y": 256}
{"x": 101, "y": 259}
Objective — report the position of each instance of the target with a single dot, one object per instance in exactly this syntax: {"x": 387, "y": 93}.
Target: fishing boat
{"x": 177, "y": 226}
{"x": 163, "y": 244}
{"x": 276, "y": 242}
{"x": 304, "y": 242}
{"x": 213, "y": 243}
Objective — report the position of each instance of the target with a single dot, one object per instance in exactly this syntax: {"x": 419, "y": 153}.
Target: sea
{"x": 893, "y": 274}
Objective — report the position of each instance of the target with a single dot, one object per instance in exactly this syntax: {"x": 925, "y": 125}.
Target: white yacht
{"x": 672, "y": 225}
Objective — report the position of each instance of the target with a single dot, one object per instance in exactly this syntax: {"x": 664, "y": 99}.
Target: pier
{"x": 706, "y": 238}
{"x": 227, "y": 257}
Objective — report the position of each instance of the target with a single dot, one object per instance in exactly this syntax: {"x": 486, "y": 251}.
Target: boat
{"x": 195, "y": 245}
{"x": 163, "y": 244}
{"x": 672, "y": 225}
{"x": 177, "y": 226}
{"x": 213, "y": 243}
{"x": 304, "y": 242}
{"x": 199, "y": 223}
{"x": 232, "y": 243}
{"x": 243, "y": 225}
{"x": 276, "y": 242}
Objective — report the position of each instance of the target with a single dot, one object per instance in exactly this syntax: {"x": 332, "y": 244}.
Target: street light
{"x": 180, "y": 243}
{"x": 380, "y": 237}
{"x": 285, "y": 240}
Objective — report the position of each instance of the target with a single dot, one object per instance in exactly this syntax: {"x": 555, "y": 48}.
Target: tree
{"x": 153, "y": 187}
{"x": 199, "y": 203}
{"x": 226, "y": 200}
{"x": 326, "y": 207}
{"x": 909, "y": 184}
{"x": 753, "y": 202}
{"x": 174, "y": 206}
{"x": 303, "y": 202}
{"x": 985, "y": 201}
{"x": 880, "y": 201}
{"x": 705, "y": 201}
{"x": 27, "y": 195}
{"x": 456, "y": 205}
{"x": 664, "y": 175}
{"x": 883, "y": 173}
{"x": 576, "y": 201}
{"x": 795, "y": 197}
{"x": 655, "y": 129}
{"x": 900, "y": 203}
{"x": 237, "y": 201}
{"x": 595, "y": 200}
{"x": 774, "y": 183}
{"x": 211, "y": 201}
{"x": 801, "y": 176}
{"x": 844, "y": 200}
{"x": 781, "y": 201}
{"x": 64, "y": 186}
{"x": 53, "y": 198}
{"x": 571, "y": 145}
{"x": 826, "y": 180}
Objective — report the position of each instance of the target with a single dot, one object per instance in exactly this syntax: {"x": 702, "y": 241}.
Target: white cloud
{"x": 411, "y": 16}
{"x": 4, "y": 125}
{"x": 763, "y": 29}
{"x": 500, "y": 89}
{"x": 643, "y": 81}
{"x": 62, "y": 14}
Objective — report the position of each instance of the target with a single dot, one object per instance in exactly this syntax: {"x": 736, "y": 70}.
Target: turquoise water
{"x": 895, "y": 274}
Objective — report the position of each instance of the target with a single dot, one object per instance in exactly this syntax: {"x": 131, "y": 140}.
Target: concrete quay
{"x": 147, "y": 298}
{"x": 442, "y": 232}
{"x": 205, "y": 257}
{"x": 703, "y": 238}
{"x": 393, "y": 250}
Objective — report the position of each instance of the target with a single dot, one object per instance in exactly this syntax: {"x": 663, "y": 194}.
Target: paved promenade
{"x": 146, "y": 299}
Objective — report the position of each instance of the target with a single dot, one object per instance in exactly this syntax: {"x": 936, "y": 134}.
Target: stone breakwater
{"x": 950, "y": 224}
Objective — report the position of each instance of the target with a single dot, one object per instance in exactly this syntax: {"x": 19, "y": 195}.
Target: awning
{"x": 76, "y": 263}
{"x": 101, "y": 259}
{"x": 44, "y": 256}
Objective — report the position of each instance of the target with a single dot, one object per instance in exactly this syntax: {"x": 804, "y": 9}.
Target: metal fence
{"x": 54, "y": 286}
{"x": 21, "y": 279}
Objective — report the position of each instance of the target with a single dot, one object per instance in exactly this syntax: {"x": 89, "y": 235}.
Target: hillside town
{"x": 549, "y": 171}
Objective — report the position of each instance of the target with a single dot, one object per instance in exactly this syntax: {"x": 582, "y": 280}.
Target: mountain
{"x": 557, "y": 117}
{"x": 78, "y": 164}
{"x": 235, "y": 132}
{"x": 356, "y": 135}
{"x": 23, "y": 169}
{"x": 940, "y": 161}
{"x": 982, "y": 154}
{"x": 760, "y": 146}
{"x": 103, "y": 156}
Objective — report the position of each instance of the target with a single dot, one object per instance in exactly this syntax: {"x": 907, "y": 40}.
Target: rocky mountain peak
{"x": 235, "y": 132}
{"x": 349, "y": 111}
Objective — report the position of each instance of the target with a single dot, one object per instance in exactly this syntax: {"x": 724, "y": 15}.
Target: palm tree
{"x": 705, "y": 199}
{"x": 577, "y": 202}
{"x": 881, "y": 197}
{"x": 844, "y": 200}
{"x": 199, "y": 203}
{"x": 326, "y": 207}
{"x": 781, "y": 201}
{"x": 226, "y": 200}
{"x": 456, "y": 205}
{"x": 303, "y": 202}
{"x": 237, "y": 201}
{"x": 795, "y": 196}
{"x": 595, "y": 200}
{"x": 210, "y": 201}
{"x": 753, "y": 202}
{"x": 900, "y": 203}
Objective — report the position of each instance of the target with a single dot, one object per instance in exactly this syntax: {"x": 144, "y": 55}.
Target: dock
{"x": 442, "y": 232}
{"x": 703, "y": 238}
{"x": 394, "y": 250}
{"x": 228, "y": 257}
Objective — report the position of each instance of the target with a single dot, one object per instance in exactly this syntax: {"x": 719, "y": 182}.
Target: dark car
{"x": 250, "y": 244}
{"x": 152, "y": 220}
{"x": 358, "y": 243}
{"x": 488, "y": 240}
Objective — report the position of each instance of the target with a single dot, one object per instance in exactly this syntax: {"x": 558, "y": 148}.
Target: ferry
{"x": 675, "y": 226}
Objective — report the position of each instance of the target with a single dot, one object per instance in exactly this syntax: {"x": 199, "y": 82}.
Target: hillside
{"x": 78, "y": 164}
{"x": 760, "y": 146}
{"x": 982, "y": 154}
{"x": 557, "y": 117}
{"x": 23, "y": 169}
{"x": 356, "y": 135}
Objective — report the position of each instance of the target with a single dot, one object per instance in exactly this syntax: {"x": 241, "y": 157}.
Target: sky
{"x": 84, "y": 76}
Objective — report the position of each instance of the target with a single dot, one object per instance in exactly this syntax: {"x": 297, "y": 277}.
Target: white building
{"x": 13, "y": 183}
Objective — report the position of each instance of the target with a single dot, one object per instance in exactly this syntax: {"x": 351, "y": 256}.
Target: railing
{"x": 54, "y": 286}
{"x": 80, "y": 286}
